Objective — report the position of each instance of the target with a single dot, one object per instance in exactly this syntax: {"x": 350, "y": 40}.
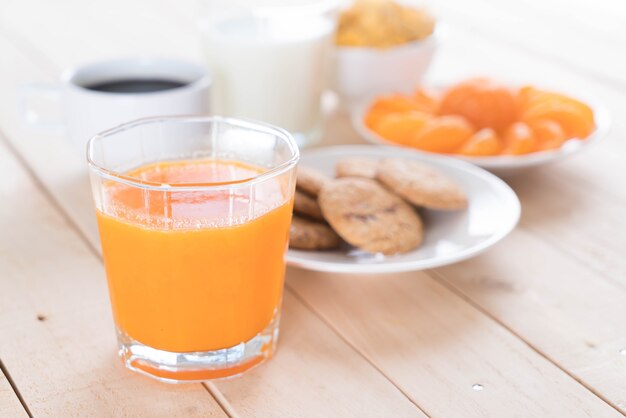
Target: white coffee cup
{"x": 86, "y": 111}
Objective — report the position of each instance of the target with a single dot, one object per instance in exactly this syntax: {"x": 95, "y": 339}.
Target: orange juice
{"x": 195, "y": 270}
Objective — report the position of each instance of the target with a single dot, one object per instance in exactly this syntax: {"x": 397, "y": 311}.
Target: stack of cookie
{"x": 370, "y": 205}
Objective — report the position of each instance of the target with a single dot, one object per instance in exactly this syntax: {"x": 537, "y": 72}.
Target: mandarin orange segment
{"x": 396, "y": 103}
{"x": 571, "y": 118}
{"x": 575, "y": 117}
{"x": 372, "y": 118}
{"x": 444, "y": 134}
{"x": 529, "y": 96}
{"x": 401, "y": 127}
{"x": 519, "y": 139}
{"x": 482, "y": 143}
{"x": 525, "y": 96}
{"x": 585, "y": 110}
{"x": 483, "y": 102}
{"x": 426, "y": 100}
{"x": 548, "y": 133}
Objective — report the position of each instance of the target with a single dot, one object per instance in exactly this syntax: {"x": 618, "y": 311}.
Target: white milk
{"x": 271, "y": 67}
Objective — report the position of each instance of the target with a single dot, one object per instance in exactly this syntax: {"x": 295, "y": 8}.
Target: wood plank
{"x": 563, "y": 309}
{"x": 314, "y": 373}
{"x": 67, "y": 170}
{"x": 575, "y": 34}
{"x": 10, "y": 405}
{"x": 140, "y": 28}
{"x": 441, "y": 348}
{"x": 598, "y": 238}
{"x": 603, "y": 20}
{"x": 53, "y": 310}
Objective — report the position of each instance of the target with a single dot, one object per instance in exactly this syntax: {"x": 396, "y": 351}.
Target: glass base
{"x": 172, "y": 367}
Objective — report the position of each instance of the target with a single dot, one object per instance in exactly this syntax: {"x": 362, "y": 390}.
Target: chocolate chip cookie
{"x": 310, "y": 181}
{"x": 305, "y": 205}
{"x": 369, "y": 217}
{"x": 357, "y": 167}
{"x": 421, "y": 184}
{"x": 309, "y": 235}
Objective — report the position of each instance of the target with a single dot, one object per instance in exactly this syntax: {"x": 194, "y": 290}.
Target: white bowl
{"x": 502, "y": 165}
{"x": 362, "y": 72}
{"x": 449, "y": 236}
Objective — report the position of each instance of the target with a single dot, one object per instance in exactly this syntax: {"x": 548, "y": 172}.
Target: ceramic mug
{"x": 98, "y": 96}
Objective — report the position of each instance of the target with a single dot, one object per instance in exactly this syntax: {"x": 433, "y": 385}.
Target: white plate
{"x": 449, "y": 236}
{"x": 502, "y": 165}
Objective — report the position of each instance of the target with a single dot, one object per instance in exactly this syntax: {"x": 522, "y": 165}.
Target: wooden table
{"x": 534, "y": 327}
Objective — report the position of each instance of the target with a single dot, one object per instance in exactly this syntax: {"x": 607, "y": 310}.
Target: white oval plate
{"x": 504, "y": 164}
{"x": 449, "y": 236}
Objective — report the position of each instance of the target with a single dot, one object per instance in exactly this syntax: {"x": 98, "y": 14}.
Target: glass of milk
{"x": 271, "y": 64}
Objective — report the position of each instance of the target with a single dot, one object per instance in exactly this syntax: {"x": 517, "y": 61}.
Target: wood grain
{"x": 575, "y": 34}
{"x": 314, "y": 373}
{"x": 10, "y": 405}
{"x": 436, "y": 348}
{"x": 560, "y": 307}
{"x": 53, "y": 315}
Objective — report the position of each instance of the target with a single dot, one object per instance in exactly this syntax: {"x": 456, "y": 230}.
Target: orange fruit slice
{"x": 401, "y": 127}
{"x": 372, "y": 117}
{"x": 482, "y": 102}
{"x": 585, "y": 110}
{"x": 526, "y": 96}
{"x": 426, "y": 100}
{"x": 548, "y": 134}
{"x": 574, "y": 119}
{"x": 482, "y": 143}
{"x": 443, "y": 134}
{"x": 396, "y": 103}
{"x": 519, "y": 139}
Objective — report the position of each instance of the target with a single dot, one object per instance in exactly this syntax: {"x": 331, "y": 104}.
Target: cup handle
{"x": 29, "y": 93}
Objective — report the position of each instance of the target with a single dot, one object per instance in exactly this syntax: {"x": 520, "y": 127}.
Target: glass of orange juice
{"x": 194, "y": 216}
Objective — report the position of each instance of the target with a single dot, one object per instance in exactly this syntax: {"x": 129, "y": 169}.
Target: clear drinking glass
{"x": 271, "y": 61}
{"x": 194, "y": 216}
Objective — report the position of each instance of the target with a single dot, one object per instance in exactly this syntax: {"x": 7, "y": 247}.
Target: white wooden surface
{"x": 9, "y": 403}
{"x": 538, "y": 321}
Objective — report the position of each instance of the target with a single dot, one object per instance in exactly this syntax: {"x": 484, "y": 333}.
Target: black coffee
{"x": 144, "y": 85}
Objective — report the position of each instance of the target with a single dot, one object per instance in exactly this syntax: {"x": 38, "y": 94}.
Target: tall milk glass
{"x": 271, "y": 64}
